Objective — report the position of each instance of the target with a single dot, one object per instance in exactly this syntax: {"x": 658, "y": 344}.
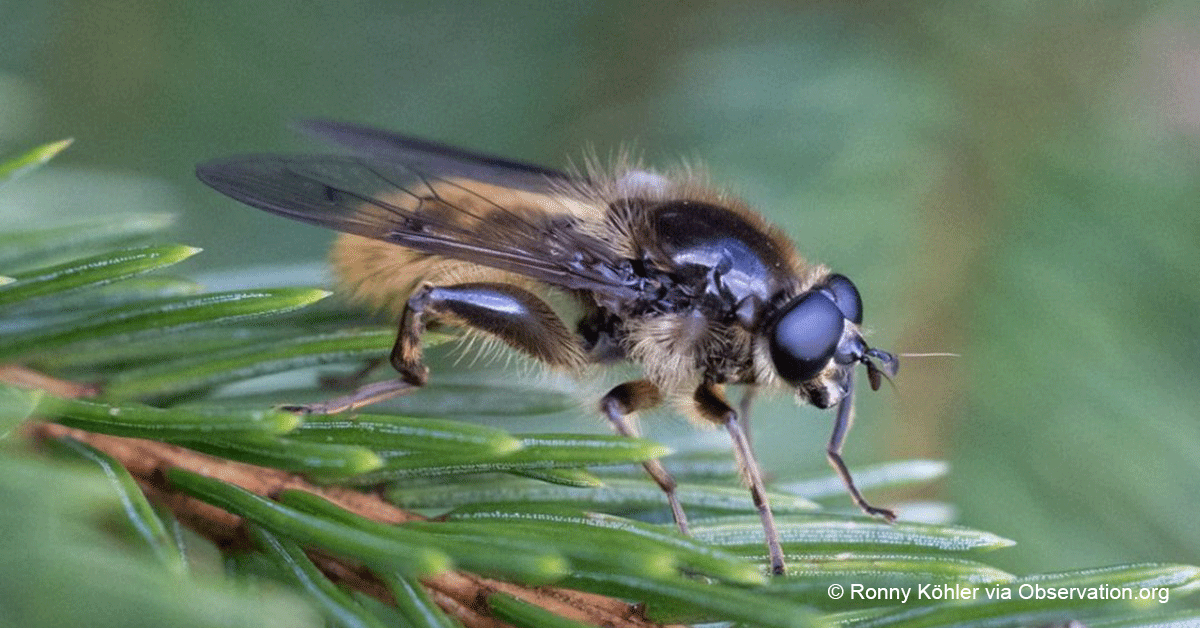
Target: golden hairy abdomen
{"x": 381, "y": 275}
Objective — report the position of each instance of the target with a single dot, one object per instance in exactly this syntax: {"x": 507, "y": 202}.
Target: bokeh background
{"x": 1013, "y": 181}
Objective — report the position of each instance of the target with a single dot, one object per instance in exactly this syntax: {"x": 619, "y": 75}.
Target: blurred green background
{"x": 1012, "y": 181}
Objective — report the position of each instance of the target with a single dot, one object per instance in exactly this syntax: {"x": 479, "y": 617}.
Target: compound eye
{"x": 806, "y": 336}
{"x": 846, "y": 296}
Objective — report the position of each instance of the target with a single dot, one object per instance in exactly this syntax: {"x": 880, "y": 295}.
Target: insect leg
{"x": 744, "y": 411}
{"x": 712, "y": 405}
{"x": 841, "y": 426}
{"x": 363, "y": 396}
{"x": 512, "y": 314}
{"x": 352, "y": 380}
{"x": 625, "y": 400}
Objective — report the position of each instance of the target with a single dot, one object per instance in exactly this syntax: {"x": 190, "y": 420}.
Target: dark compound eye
{"x": 806, "y": 336}
{"x": 845, "y": 295}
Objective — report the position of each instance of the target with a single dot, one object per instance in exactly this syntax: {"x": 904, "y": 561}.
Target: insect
{"x": 666, "y": 272}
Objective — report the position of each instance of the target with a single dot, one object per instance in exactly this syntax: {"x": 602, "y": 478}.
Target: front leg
{"x": 512, "y": 314}
{"x": 711, "y": 404}
{"x": 841, "y": 426}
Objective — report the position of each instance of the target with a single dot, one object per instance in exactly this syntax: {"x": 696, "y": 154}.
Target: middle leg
{"x": 625, "y": 400}
{"x": 712, "y": 406}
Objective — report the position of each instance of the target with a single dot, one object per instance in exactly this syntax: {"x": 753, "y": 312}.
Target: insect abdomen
{"x": 381, "y": 275}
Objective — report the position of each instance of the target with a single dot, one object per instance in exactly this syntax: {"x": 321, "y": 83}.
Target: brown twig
{"x": 27, "y": 378}
{"x": 456, "y": 592}
{"x": 462, "y": 595}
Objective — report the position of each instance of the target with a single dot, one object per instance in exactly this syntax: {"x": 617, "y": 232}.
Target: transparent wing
{"x": 446, "y": 161}
{"x": 441, "y": 202}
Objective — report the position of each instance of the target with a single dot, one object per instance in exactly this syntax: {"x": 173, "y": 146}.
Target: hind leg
{"x": 510, "y": 313}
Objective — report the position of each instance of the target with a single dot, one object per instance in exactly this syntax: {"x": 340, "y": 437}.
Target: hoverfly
{"x": 666, "y": 272}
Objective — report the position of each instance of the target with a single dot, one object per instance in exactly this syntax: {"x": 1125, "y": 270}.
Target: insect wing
{"x": 431, "y": 207}
{"x": 447, "y": 161}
